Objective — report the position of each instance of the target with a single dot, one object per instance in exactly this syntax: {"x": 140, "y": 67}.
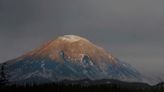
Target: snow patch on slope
{"x": 71, "y": 38}
{"x": 42, "y": 66}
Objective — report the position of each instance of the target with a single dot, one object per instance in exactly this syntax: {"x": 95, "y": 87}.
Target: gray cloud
{"x": 132, "y": 30}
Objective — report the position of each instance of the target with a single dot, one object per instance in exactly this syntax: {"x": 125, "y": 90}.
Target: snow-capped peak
{"x": 71, "y": 38}
{"x": 68, "y": 57}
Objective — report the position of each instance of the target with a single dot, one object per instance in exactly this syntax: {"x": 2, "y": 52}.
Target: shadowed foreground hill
{"x": 86, "y": 86}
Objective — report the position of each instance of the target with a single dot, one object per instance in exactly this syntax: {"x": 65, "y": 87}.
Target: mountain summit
{"x": 75, "y": 48}
{"x": 68, "y": 57}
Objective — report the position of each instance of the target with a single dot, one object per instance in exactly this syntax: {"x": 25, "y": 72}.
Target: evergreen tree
{"x": 3, "y": 75}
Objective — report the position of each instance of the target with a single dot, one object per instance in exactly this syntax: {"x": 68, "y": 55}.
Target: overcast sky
{"x": 132, "y": 30}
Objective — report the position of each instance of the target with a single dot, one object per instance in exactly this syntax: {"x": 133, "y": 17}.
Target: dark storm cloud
{"x": 131, "y": 29}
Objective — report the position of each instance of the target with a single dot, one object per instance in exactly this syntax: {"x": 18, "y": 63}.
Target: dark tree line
{"x": 79, "y": 88}
{"x": 3, "y": 75}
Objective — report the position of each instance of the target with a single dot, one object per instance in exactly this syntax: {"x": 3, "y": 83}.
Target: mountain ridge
{"x": 69, "y": 57}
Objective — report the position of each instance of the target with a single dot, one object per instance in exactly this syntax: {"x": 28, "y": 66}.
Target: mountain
{"x": 68, "y": 57}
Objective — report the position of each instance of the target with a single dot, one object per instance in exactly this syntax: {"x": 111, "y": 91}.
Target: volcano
{"x": 68, "y": 57}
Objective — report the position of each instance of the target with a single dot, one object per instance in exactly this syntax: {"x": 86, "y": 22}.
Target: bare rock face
{"x": 68, "y": 57}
